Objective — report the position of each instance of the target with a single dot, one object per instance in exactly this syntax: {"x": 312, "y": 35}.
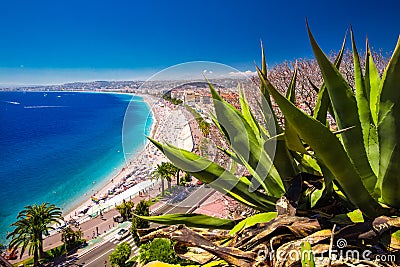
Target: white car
{"x": 122, "y": 234}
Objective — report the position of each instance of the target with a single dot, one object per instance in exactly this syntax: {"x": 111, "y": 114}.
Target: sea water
{"x": 60, "y": 147}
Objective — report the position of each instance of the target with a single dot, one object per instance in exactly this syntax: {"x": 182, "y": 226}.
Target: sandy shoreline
{"x": 124, "y": 170}
{"x": 165, "y": 117}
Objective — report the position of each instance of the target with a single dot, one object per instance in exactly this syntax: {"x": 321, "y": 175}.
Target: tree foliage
{"x": 125, "y": 209}
{"x": 120, "y": 255}
{"x": 32, "y": 223}
{"x": 142, "y": 209}
{"x": 165, "y": 171}
{"x": 70, "y": 237}
{"x": 160, "y": 249}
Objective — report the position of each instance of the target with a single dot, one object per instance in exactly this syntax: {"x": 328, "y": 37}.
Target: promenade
{"x": 95, "y": 219}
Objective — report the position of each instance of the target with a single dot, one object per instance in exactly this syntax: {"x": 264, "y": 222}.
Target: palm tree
{"x": 173, "y": 171}
{"x": 204, "y": 127}
{"x": 70, "y": 237}
{"x": 162, "y": 172}
{"x": 125, "y": 209}
{"x": 32, "y": 223}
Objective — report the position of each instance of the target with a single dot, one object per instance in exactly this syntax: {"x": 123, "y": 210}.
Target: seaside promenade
{"x": 94, "y": 227}
{"x": 133, "y": 182}
{"x": 172, "y": 126}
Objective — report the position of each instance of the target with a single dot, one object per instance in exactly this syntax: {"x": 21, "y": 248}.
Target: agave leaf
{"x": 389, "y": 131}
{"x": 323, "y": 104}
{"x": 265, "y": 119}
{"x": 328, "y": 178}
{"x": 266, "y": 106}
{"x": 247, "y": 114}
{"x": 316, "y": 195}
{"x": 372, "y": 85}
{"x": 395, "y": 240}
{"x": 219, "y": 178}
{"x": 307, "y": 163}
{"x": 260, "y": 132}
{"x": 246, "y": 146}
{"x": 216, "y": 123}
{"x": 191, "y": 220}
{"x": 263, "y": 89}
{"x": 230, "y": 154}
{"x": 354, "y": 216}
{"x": 253, "y": 220}
{"x": 283, "y": 160}
{"x": 368, "y": 127}
{"x": 291, "y": 92}
{"x": 329, "y": 151}
{"x": 293, "y": 141}
{"x": 346, "y": 114}
{"x": 307, "y": 257}
{"x": 272, "y": 173}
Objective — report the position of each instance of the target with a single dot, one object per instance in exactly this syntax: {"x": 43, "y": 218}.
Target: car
{"x": 122, "y": 234}
{"x": 118, "y": 218}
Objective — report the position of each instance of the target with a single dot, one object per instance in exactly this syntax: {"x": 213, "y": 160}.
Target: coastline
{"x": 170, "y": 125}
{"x": 131, "y": 178}
{"x": 122, "y": 170}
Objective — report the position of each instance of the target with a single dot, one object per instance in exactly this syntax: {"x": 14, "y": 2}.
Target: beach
{"x": 94, "y": 215}
{"x": 170, "y": 125}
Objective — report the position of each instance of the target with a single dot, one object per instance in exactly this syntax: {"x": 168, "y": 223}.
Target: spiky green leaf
{"x": 329, "y": 150}
{"x": 307, "y": 257}
{"x": 389, "y": 131}
{"x": 369, "y": 130}
{"x": 372, "y": 85}
{"x": 323, "y": 104}
{"x": 219, "y": 178}
{"x": 253, "y": 220}
{"x": 191, "y": 220}
{"x": 346, "y": 114}
{"x": 293, "y": 141}
{"x": 247, "y": 146}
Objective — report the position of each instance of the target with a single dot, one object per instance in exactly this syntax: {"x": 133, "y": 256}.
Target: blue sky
{"x": 59, "y": 41}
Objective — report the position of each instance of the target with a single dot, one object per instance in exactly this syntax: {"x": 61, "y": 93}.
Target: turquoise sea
{"x": 57, "y": 146}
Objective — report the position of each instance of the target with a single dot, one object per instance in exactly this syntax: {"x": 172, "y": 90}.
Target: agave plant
{"x": 365, "y": 159}
{"x": 358, "y": 162}
{"x": 273, "y": 156}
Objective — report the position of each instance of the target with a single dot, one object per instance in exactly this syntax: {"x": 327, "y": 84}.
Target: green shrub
{"x": 160, "y": 249}
{"x": 125, "y": 209}
{"x": 142, "y": 209}
{"x": 120, "y": 255}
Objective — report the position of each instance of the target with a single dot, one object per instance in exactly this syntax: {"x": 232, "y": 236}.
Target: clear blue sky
{"x": 57, "y": 41}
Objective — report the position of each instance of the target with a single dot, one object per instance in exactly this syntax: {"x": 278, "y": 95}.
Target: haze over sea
{"x": 57, "y": 146}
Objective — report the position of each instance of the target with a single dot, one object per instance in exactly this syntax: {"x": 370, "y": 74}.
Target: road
{"x": 98, "y": 256}
{"x": 191, "y": 201}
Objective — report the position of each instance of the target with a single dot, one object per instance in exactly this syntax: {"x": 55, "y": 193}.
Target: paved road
{"x": 191, "y": 201}
{"x": 89, "y": 228}
{"x": 98, "y": 256}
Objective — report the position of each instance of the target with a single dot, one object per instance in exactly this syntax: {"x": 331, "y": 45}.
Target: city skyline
{"x": 47, "y": 42}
